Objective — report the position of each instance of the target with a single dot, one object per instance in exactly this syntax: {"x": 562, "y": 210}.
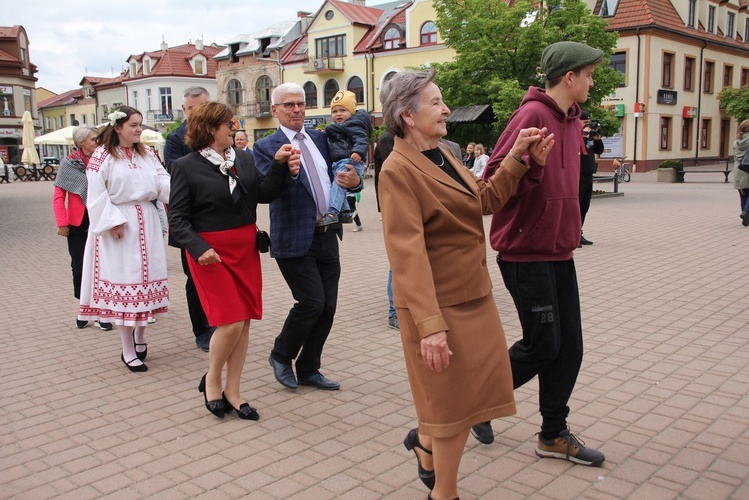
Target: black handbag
{"x": 744, "y": 165}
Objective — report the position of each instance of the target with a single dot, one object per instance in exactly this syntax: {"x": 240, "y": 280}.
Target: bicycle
{"x": 621, "y": 171}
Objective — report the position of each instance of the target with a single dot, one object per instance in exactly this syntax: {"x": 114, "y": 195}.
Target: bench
{"x": 608, "y": 178}
{"x": 680, "y": 173}
{"x": 5, "y": 175}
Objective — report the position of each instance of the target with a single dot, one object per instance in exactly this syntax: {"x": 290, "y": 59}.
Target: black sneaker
{"x": 483, "y": 432}
{"x": 104, "y": 326}
{"x": 569, "y": 447}
{"x": 80, "y": 323}
{"x": 584, "y": 241}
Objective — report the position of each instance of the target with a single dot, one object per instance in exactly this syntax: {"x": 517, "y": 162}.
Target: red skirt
{"x": 230, "y": 290}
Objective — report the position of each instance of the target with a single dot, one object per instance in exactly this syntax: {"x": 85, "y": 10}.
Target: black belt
{"x": 325, "y": 229}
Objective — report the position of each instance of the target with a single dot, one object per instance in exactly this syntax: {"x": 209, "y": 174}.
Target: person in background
{"x": 480, "y": 162}
{"x": 69, "y": 204}
{"x": 213, "y": 205}
{"x": 174, "y": 149}
{"x": 741, "y": 178}
{"x": 351, "y": 199}
{"x": 382, "y": 150}
{"x": 307, "y": 254}
{"x": 470, "y": 156}
{"x": 535, "y": 235}
{"x": 241, "y": 141}
{"x": 124, "y": 265}
{"x": 453, "y": 342}
{"x": 588, "y": 167}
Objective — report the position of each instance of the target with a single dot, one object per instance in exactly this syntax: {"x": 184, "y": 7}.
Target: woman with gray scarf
{"x": 69, "y": 204}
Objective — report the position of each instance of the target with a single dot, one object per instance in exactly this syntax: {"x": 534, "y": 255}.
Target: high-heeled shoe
{"x": 411, "y": 442}
{"x": 217, "y": 405}
{"x": 245, "y": 411}
{"x": 133, "y": 368}
{"x": 141, "y": 354}
{"x": 429, "y": 497}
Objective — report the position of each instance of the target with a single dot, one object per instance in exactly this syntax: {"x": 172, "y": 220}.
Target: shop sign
{"x": 689, "y": 112}
{"x": 666, "y": 97}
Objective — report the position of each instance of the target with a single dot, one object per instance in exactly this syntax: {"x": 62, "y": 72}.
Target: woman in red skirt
{"x": 212, "y": 209}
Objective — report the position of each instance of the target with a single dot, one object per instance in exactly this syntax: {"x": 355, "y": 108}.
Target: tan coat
{"x": 434, "y": 237}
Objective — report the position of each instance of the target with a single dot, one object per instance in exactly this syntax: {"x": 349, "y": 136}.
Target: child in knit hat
{"x": 348, "y": 142}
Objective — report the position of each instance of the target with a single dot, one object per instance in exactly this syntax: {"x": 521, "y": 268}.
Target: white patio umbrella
{"x": 60, "y": 137}
{"x": 29, "y": 156}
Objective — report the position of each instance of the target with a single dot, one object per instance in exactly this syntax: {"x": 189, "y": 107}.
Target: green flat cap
{"x": 561, "y": 57}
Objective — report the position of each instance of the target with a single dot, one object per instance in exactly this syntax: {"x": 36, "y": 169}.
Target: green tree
{"x": 499, "y": 48}
{"x": 735, "y": 101}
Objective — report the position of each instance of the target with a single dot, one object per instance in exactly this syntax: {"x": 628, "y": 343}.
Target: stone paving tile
{"x": 663, "y": 391}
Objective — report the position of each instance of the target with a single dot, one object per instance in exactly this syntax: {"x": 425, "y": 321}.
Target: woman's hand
{"x": 435, "y": 351}
{"x": 117, "y": 232}
{"x": 209, "y": 257}
{"x": 536, "y": 142}
{"x": 63, "y": 231}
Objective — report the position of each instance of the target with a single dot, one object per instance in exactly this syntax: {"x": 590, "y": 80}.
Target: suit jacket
{"x": 434, "y": 231}
{"x": 175, "y": 147}
{"x": 293, "y": 215}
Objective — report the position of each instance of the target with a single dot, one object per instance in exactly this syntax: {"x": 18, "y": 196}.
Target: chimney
{"x": 302, "y": 14}
{"x": 199, "y": 44}
{"x": 164, "y": 45}
{"x": 360, "y": 3}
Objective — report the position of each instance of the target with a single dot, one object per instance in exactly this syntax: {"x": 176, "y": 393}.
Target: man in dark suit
{"x": 174, "y": 149}
{"x": 306, "y": 254}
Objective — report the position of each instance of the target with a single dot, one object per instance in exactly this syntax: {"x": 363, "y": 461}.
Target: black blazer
{"x": 200, "y": 199}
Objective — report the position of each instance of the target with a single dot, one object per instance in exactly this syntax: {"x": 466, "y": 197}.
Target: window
{"x": 686, "y": 133}
{"x": 691, "y": 14}
{"x": 668, "y": 70}
{"x": 234, "y": 93}
{"x": 709, "y": 70}
{"x": 705, "y": 134}
{"x": 356, "y": 86}
{"x": 310, "y": 94}
{"x": 72, "y": 119}
{"x": 148, "y": 99}
{"x": 83, "y": 119}
{"x": 104, "y": 110}
{"x": 727, "y": 75}
{"x": 746, "y": 31}
{"x": 135, "y": 99}
{"x": 199, "y": 67}
{"x": 689, "y": 73}
{"x": 744, "y": 77}
{"x": 711, "y": 19}
{"x": 264, "y": 86}
{"x": 331, "y": 87}
{"x": 730, "y": 24}
{"x": 334, "y": 46}
{"x": 619, "y": 63}
{"x": 165, "y": 100}
{"x": 93, "y": 118}
{"x": 23, "y": 56}
{"x": 49, "y": 123}
{"x": 391, "y": 39}
{"x": 608, "y": 7}
{"x": 665, "y": 139}
{"x": 133, "y": 69}
{"x": 62, "y": 121}
{"x": 146, "y": 66}
{"x": 428, "y": 33}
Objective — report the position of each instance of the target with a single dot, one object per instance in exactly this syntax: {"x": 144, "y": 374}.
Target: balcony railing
{"x": 164, "y": 115}
{"x": 251, "y": 109}
{"x": 324, "y": 65}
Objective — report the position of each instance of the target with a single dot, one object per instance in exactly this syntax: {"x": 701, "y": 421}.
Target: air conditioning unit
{"x": 319, "y": 63}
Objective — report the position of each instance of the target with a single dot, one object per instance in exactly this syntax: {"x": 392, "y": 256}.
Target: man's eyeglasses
{"x": 289, "y": 106}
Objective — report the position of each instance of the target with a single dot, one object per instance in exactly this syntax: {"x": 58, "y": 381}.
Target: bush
{"x": 675, "y": 164}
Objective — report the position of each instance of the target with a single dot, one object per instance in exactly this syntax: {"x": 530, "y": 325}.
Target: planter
{"x": 667, "y": 175}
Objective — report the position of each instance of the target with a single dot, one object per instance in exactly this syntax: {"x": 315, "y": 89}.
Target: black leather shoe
{"x": 483, "y": 432}
{"x": 245, "y": 411}
{"x": 583, "y": 241}
{"x": 141, "y": 354}
{"x": 204, "y": 340}
{"x": 317, "y": 380}
{"x": 80, "y": 323}
{"x": 284, "y": 374}
{"x": 131, "y": 367}
{"x": 411, "y": 442}
{"x": 216, "y": 406}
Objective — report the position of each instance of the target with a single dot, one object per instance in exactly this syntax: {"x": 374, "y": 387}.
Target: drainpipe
{"x": 637, "y": 99}
{"x": 699, "y": 104}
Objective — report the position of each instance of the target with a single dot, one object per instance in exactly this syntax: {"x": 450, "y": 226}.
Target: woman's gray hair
{"x": 401, "y": 93}
{"x": 290, "y": 88}
{"x": 81, "y": 132}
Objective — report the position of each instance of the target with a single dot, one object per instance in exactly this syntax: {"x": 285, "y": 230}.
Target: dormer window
{"x": 146, "y": 66}
{"x": 608, "y": 8}
{"x": 133, "y": 69}
{"x": 428, "y": 33}
{"x": 391, "y": 39}
{"x": 199, "y": 68}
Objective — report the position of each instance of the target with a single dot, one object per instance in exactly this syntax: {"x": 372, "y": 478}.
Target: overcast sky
{"x": 70, "y": 39}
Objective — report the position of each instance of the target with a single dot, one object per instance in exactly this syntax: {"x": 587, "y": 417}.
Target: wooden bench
{"x": 608, "y": 178}
{"x": 680, "y": 173}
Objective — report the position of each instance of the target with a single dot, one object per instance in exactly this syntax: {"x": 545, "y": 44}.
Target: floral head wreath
{"x": 113, "y": 117}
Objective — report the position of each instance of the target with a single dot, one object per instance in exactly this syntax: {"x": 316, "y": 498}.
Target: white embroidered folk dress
{"x": 124, "y": 280}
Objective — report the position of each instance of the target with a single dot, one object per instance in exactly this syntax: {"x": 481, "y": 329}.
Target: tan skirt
{"x": 477, "y": 386}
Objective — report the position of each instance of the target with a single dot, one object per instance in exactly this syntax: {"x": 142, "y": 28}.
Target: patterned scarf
{"x": 71, "y": 176}
{"x": 224, "y": 164}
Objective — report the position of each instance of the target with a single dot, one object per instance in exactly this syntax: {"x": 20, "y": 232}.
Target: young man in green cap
{"x": 535, "y": 234}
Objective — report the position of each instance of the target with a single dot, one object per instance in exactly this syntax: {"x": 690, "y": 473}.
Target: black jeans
{"x": 194, "y": 307}
{"x": 586, "y": 193}
{"x": 76, "y": 247}
{"x": 548, "y": 303}
{"x": 313, "y": 281}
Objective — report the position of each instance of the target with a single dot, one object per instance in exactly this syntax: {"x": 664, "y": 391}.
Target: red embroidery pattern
{"x": 142, "y": 241}
{"x": 100, "y": 154}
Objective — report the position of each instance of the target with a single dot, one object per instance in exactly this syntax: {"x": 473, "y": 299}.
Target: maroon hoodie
{"x": 541, "y": 221}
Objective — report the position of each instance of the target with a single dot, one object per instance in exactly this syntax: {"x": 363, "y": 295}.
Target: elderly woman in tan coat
{"x": 453, "y": 342}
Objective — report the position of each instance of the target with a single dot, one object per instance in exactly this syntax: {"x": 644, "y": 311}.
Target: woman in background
{"x": 69, "y": 205}
{"x": 741, "y": 178}
{"x": 124, "y": 265}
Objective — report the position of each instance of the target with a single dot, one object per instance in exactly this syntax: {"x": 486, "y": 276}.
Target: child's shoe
{"x": 346, "y": 217}
{"x": 328, "y": 219}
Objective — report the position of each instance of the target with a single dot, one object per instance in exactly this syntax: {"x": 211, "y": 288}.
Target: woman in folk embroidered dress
{"x": 124, "y": 266}
{"x": 212, "y": 211}
{"x": 69, "y": 204}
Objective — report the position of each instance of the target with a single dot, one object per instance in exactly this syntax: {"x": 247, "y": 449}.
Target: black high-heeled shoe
{"x": 245, "y": 411}
{"x": 141, "y": 354}
{"x": 411, "y": 442}
{"x": 217, "y": 405}
{"x": 136, "y": 368}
